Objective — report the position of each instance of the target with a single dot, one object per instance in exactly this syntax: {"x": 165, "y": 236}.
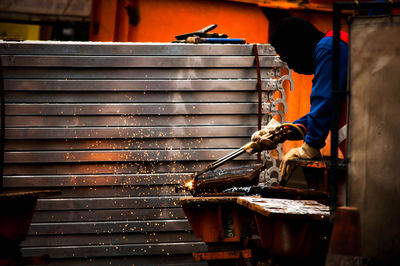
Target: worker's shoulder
{"x": 325, "y": 47}
{"x": 325, "y": 43}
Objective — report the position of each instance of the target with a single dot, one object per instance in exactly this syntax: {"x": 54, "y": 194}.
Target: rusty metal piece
{"x": 306, "y": 239}
{"x": 316, "y": 174}
{"x": 37, "y": 260}
{"x": 259, "y": 94}
{"x": 292, "y": 228}
{"x": 215, "y": 219}
{"x": 298, "y": 209}
{"x": 345, "y": 242}
{"x": 280, "y": 192}
{"x": 221, "y": 255}
{"x": 219, "y": 180}
{"x": 16, "y": 213}
{"x": 324, "y": 164}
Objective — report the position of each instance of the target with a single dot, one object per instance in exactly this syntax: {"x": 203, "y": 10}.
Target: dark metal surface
{"x": 116, "y": 250}
{"x": 2, "y": 124}
{"x": 107, "y": 227}
{"x": 107, "y": 239}
{"x": 109, "y": 215}
{"x": 171, "y": 259}
{"x": 107, "y": 203}
{"x": 259, "y": 93}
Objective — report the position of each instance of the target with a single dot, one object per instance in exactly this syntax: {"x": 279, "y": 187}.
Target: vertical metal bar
{"x": 259, "y": 90}
{"x": 2, "y": 124}
{"x": 335, "y": 105}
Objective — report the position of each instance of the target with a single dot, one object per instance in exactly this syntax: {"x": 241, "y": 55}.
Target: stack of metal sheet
{"x": 115, "y": 126}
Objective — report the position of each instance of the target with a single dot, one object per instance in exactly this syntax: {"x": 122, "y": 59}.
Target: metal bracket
{"x": 220, "y": 255}
{"x": 270, "y": 108}
{"x": 287, "y": 77}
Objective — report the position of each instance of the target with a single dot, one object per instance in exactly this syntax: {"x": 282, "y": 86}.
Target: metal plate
{"x": 138, "y": 61}
{"x": 129, "y": 132}
{"x": 114, "y": 48}
{"x": 116, "y": 250}
{"x": 107, "y": 203}
{"x": 118, "y": 156}
{"x": 108, "y": 215}
{"x": 22, "y": 171}
{"x": 135, "y": 73}
{"x": 145, "y": 85}
{"x": 107, "y": 239}
{"x": 131, "y": 97}
{"x": 131, "y": 120}
{"x": 124, "y": 144}
{"x": 62, "y": 109}
{"x": 108, "y": 227}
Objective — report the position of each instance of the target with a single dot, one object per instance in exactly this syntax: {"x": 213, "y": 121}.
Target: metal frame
{"x": 2, "y": 124}
{"x": 338, "y": 7}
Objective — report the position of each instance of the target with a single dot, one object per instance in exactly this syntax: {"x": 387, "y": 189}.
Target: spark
{"x": 189, "y": 185}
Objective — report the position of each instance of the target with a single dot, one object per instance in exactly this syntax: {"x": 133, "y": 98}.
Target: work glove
{"x": 305, "y": 151}
{"x": 269, "y": 137}
{"x": 272, "y": 124}
{"x": 262, "y": 140}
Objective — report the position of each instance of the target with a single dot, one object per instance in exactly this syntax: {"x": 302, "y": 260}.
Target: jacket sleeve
{"x": 318, "y": 119}
{"x": 303, "y": 120}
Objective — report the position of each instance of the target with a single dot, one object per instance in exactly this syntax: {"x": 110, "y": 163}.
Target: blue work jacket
{"x": 318, "y": 120}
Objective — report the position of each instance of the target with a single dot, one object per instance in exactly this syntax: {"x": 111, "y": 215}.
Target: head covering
{"x": 295, "y": 40}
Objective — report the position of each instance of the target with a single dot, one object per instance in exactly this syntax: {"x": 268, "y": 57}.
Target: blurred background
{"x": 150, "y": 20}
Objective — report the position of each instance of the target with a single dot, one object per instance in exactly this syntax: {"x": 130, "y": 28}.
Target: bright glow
{"x": 189, "y": 185}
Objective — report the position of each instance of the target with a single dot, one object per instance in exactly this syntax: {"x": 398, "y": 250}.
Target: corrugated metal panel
{"x": 115, "y": 127}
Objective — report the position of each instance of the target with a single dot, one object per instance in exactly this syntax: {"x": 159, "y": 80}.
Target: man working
{"x": 308, "y": 51}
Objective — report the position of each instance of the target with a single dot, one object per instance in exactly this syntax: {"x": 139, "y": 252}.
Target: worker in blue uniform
{"x": 308, "y": 51}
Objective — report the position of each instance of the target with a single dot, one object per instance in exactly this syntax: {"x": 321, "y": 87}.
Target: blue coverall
{"x": 318, "y": 120}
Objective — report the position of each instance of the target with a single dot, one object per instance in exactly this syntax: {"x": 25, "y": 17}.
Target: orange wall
{"x": 161, "y": 20}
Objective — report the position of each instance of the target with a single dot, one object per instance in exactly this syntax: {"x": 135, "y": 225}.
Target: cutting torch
{"x": 249, "y": 148}
{"x": 268, "y": 141}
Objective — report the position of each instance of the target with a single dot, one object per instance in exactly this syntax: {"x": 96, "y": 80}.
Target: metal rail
{"x": 2, "y": 124}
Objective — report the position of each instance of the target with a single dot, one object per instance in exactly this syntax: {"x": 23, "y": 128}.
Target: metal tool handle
{"x": 208, "y": 28}
{"x": 196, "y": 33}
{"x": 224, "y": 159}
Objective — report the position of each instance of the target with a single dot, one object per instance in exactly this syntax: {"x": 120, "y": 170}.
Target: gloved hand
{"x": 305, "y": 151}
{"x": 258, "y": 134}
{"x": 262, "y": 140}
